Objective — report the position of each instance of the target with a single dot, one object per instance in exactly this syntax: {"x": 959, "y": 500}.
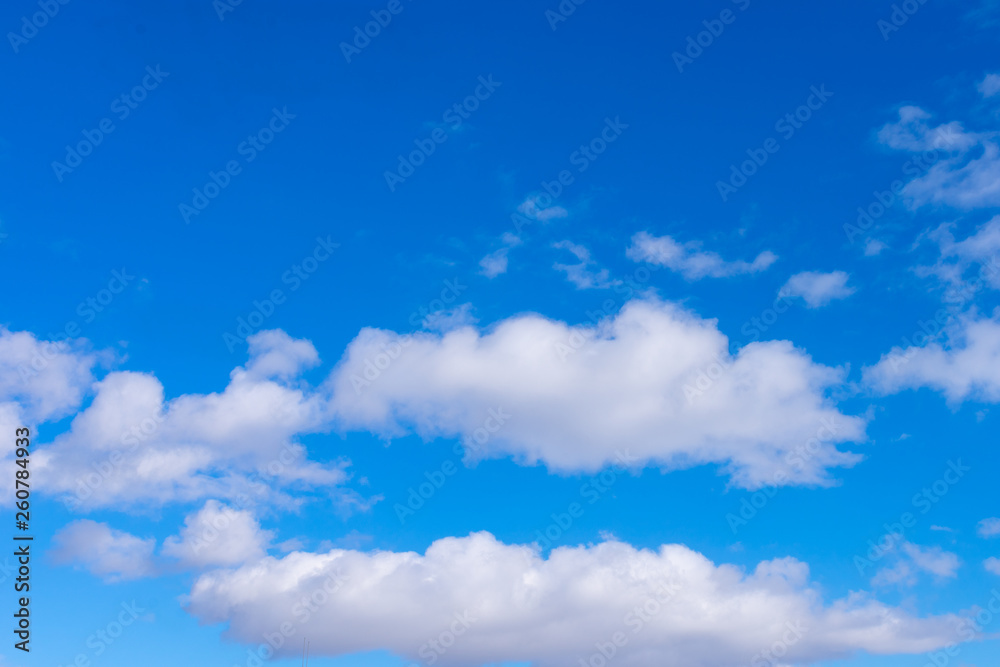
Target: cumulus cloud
{"x": 130, "y": 446}
{"x": 817, "y": 289}
{"x": 111, "y": 554}
{"x": 874, "y": 247}
{"x": 965, "y": 366}
{"x": 583, "y": 273}
{"x": 989, "y": 527}
{"x": 655, "y": 380}
{"x": 218, "y": 535}
{"x": 689, "y": 260}
{"x": 475, "y": 600}
{"x": 966, "y": 173}
{"x": 40, "y": 380}
{"x": 992, "y": 564}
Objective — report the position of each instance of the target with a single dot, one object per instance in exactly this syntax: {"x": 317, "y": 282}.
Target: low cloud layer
{"x": 475, "y": 600}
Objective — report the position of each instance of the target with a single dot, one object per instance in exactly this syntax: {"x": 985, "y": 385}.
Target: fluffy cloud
{"x": 103, "y": 551}
{"x": 989, "y": 527}
{"x": 966, "y": 173}
{"x": 966, "y": 366}
{"x": 817, "y": 289}
{"x": 40, "y": 380}
{"x": 992, "y": 564}
{"x": 218, "y": 535}
{"x": 980, "y": 249}
{"x": 689, "y": 260}
{"x": 655, "y": 381}
{"x": 583, "y": 273}
{"x": 132, "y": 447}
{"x": 475, "y": 600}
{"x": 533, "y": 208}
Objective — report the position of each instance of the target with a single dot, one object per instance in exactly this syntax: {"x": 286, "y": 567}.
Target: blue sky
{"x": 528, "y": 314}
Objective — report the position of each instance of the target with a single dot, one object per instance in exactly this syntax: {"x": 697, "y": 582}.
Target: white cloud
{"x": 980, "y": 249}
{"x": 912, "y": 559}
{"x": 816, "y": 288}
{"x": 966, "y": 366}
{"x": 103, "y": 551}
{"x": 133, "y": 447}
{"x": 495, "y": 263}
{"x": 966, "y": 174}
{"x": 990, "y": 85}
{"x": 992, "y": 564}
{"x": 874, "y": 247}
{"x": 989, "y": 527}
{"x": 504, "y": 603}
{"x": 531, "y": 208}
{"x": 689, "y": 260}
{"x": 40, "y": 380}
{"x": 575, "y": 396}
{"x": 218, "y": 535}
{"x": 583, "y": 274}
